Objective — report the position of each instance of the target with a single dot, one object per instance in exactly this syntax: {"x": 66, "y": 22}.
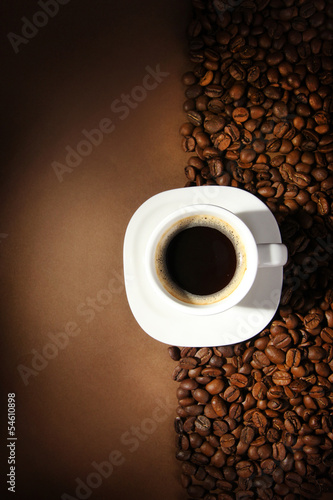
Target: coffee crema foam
{"x": 186, "y": 223}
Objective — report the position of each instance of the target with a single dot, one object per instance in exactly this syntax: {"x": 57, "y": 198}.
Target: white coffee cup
{"x": 250, "y": 256}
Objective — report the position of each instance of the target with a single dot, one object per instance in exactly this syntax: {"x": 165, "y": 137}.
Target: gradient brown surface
{"x": 107, "y": 394}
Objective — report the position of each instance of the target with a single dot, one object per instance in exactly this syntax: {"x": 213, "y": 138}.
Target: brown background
{"x": 61, "y": 243}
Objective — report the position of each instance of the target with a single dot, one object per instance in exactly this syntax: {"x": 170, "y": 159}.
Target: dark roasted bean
{"x": 254, "y": 418}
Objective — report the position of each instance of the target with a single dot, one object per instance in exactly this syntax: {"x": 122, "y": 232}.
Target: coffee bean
{"x": 188, "y": 143}
{"x": 194, "y": 410}
{"x": 245, "y": 468}
{"x": 231, "y": 394}
{"x": 174, "y": 353}
{"x": 282, "y": 340}
{"x": 215, "y": 167}
{"x": 213, "y": 90}
{"x": 275, "y": 355}
{"x": 188, "y": 363}
{"x": 259, "y": 419}
{"x": 220, "y": 427}
{"x": 210, "y": 371}
{"x": 327, "y": 334}
{"x": 204, "y": 354}
{"x": 293, "y": 357}
{"x": 240, "y": 115}
{"x": 280, "y": 109}
{"x": 202, "y": 423}
{"x": 215, "y": 386}
{"x": 281, "y": 377}
{"x": 201, "y": 395}
{"x": 247, "y": 155}
{"x": 186, "y": 129}
{"x": 237, "y": 71}
{"x": 227, "y": 440}
{"x": 232, "y": 130}
{"x": 247, "y": 435}
{"x": 190, "y": 172}
{"x": 188, "y": 384}
{"x": 214, "y": 124}
{"x": 309, "y": 490}
{"x": 222, "y": 141}
{"x": 259, "y": 103}
{"x": 179, "y": 373}
{"x": 239, "y": 380}
{"x": 316, "y": 353}
{"x": 194, "y": 117}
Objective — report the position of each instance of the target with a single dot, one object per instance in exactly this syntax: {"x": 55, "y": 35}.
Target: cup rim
{"x": 251, "y": 258}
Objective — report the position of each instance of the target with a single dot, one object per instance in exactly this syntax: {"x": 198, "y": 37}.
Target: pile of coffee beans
{"x": 255, "y": 419}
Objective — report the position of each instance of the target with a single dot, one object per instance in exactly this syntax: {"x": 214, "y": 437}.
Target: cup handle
{"x": 272, "y": 254}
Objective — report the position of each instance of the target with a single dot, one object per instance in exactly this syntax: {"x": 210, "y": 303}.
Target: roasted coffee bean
{"x": 188, "y": 143}
{"x": 214, "y": 124}
{"x": 188, "y": 362}
{"x": 259, "y": 419}
{"x": 188, "y": 384}
{"x": 219, "y": 406}
{"x": 174, "y": 353}
{"x": 194, "y": 117}
{"x": 280, "y": 109}
{"x": 259, "y": 359}
{"x": 316, "y": 353}
{"x": 213, "y": 90}
{"x": 275, "y": 355}
{"x": 293, "y": 357}
{"x": 281, "y": 378}
{"x": 202, "y": 423}
{"x": 282, "y": 340}
{"x": 259, "y": 104}
{"x": 247, "y": 435}
{"x": 233, "y": 131}
{"x": 240, "y": 115}
{"x": 231, "y": 394}
{"x": 204, "y": 354}
{"x": 194, "y": 410}
{"x": 227, "y": 440}
{"x": 179, "y": 373}
{"x": 201, "y": 395}
{"x": 239, "y": 380}
{"x": 237, "y": 71}
{"x": 215, "y": 386}
{"x": 245, "y": 468}
{"x": 259, "y": 391}
{"x": 222, "y": 141}
{"x": 220, "y": 427}
{"x": 327, "y": 334}
{"x": 186, "y": 129}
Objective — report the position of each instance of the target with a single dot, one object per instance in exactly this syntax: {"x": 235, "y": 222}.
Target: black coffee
{"x": 201, "y": 260}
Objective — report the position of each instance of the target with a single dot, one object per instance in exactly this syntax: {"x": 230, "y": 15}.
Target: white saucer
{"x": 173, "y": 327}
